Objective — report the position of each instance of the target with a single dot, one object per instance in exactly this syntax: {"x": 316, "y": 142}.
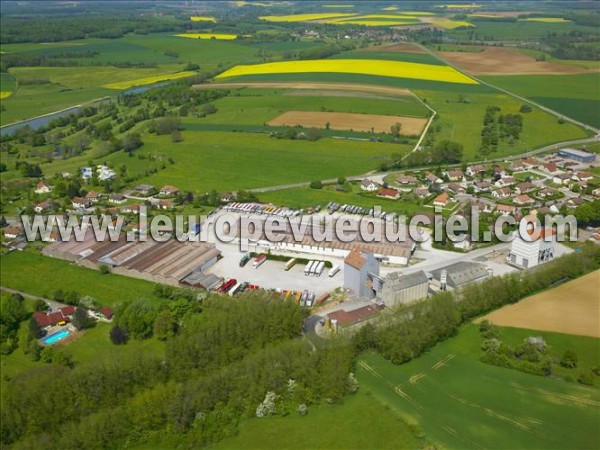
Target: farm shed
{"x": 459, "y": 274}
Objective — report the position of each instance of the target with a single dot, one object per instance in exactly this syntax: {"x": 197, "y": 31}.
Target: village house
{"x": 596, "y": 193}
{"x": 169, "y": 191}
{"x": 502, "y": 193}
{"x": 523, "y": 188}
{"x": 106, "y": 313}
{"x": 144, "y": 189}
{"x": 433, "y": 178}
{"x": 482, "y": 186}
{"x": 441, "y": 200}
{"x": 80, "y": 203}
{"x": 455, "y": 175}
{"x": 550, "y": 168}
{"x": 166, "y": 204}
{"x": 523, "y": 199}
{"x": 407, "y": 179}
{"x": 475, "y": 170}
{"x": 117, "y": 199}
{"x": 561, "y": 178}
{"x": 227, "y": 197}
{"x": 485, "y": 207}
{"x": 499, "y": 171}
{"x": 92, "y": 196}
{"x": 583, "y": 176}
{"x": 43, "y": 206}
{"x": 422, "y": 192}
{"x": 517, "y": 166}
{"x": 13, "y": 231}
{"x": 574, "y": 202}
{"x": 504, "y": 181}
{"x": 368, "y": 185}
{"x": 42, "y": 188}
{"x": 131, "y": 209}
{"x": 506, "y": 210}
{"x": 389, "y": 193}
{"x": 531, "y": 163}
{"x": 63, "y": 314}
{"x": 546, "y": 192}
{"x": 456, "y": 188}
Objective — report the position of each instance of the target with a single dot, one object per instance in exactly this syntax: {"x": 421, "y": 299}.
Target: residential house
{"x": 42, "y": 188}
{"x": 505, "y": 181}
{"x": 455, "y": 175}
{"x": 145, "y": 189}
{"x": 170, "y": 191}
{"x": 227, "y": 197}
{"x": 456, "y": 188}
{"x": 499, "y": 171}
{"x": 131, "y": 209}
{"x": 368, "y": 185}
{"x": 13, "y": 231}
{"x": 506, "y": 210}
{"x": 596, "y": 193}
{"x": 389, "y": 193}
{"x": 117, "y": 199}
{"x": 574, "y": 202}
{"x": 104, "y": 173}
{"x": 166, "y": 204}
{"x": 43, "y": 206}
{"x": 63, "y": 314}
{"x": 79, "y": 202}
{"x": 561, "y": 178}
{"x": 531, "y": 163}
{"x": 550, "y": 168}
{"x": 433, "y": 178}
{"x": 475, "y": 170}
{"x": 583, "y": 176}
{"x": 422, "y": 192}
{"x": 546, "y": 192}
{"x": 482, "y": 186}
{"x": 485, "y": 207}
{"x": 106, "y": 312}
{"x": 407, "y": 179}
{"x": 523, "y": 188}
{"x": 92, "y": 196}
{"x": 502, "y": 193}
{"x": 441, "y": 200}
{"x": 523, "y": 200}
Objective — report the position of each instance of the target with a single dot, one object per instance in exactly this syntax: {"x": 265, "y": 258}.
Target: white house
{"x": 368, "y": 185}
{"x": 42, "y": 188}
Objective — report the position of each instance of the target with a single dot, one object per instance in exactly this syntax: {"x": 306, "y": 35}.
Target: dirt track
{"x": 300, "y": 85}
{"x": 572, "y": 308}
{"x": 411, "y": 126}
{"x": 504, "y": 61}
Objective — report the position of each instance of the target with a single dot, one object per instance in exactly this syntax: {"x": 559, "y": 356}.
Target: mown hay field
{"x": 571, "y": 308}
{"x": 394, "y": 69}
{"x": 410, "y": 126}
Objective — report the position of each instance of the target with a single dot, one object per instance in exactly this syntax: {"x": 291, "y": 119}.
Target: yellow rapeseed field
{"x": 202, "y": 19}
{"x": 149, "y": 80}
{"x": 337, "y": 6}
{"x": 304, "y": 17}
{"x": 546, "y": 19}
{"x": 459, "y": 6}
{"x": 4, "y": 94}
{"x": 225, "y": 37}
{"x": 447, "y": 23}
{"x": 397, "y": 69}
{"x": 375, "y": 23}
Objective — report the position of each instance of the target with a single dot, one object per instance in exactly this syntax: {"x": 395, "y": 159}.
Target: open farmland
{"x": 384, "y": 68}
{"x": 217, "y": 36}
{"x": 460, "y": 402}
{"x": 304, "y": 17}
{"x": 572, "y": 308}
{"x": 202, "y": 19}
{"x": 411, "y": 126}
{"x": 149, "y": 80}
{"x": 230, "y": 161}
{"x": 504, "y": 61}
{"x": 577, "y": 96}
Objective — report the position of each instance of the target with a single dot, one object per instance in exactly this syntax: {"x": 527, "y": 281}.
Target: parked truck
{"x": 319, "y": 269}
{"x": 245, "y": 259}
{"x": 335, "y": 269}
{"x": 234, "y": 289}
{"x": 308, "y": 268}
{"x": 291, "y": 263}
{"x": 259, "y": 260}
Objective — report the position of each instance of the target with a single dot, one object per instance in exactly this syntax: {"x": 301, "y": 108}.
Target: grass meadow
{"x": 448, "y": 390}
{"x": 577, "y": 96}
{"x": 231, "y": 161}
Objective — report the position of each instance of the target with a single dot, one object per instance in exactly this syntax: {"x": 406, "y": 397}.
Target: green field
{"x": 463, "y": 122}
{"x": 577, "y": 96}
{"x": 423, "y": 58}
{"x": 40, "y": 275}
{"x": 231, "y": 161}
{"x": 258, "y": 106}
{"x": 512, "y": 31}
{"x": 358, "y": 422}
{"x": 8, "y": 83}
{"x": 460, "y": 402}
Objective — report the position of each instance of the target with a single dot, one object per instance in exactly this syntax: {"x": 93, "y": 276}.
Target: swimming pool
{"x": 55, "y": 337}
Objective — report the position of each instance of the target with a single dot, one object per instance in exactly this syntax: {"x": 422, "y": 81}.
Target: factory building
{"x": 533, "y": 251}
{"x": 459, "y": 274}
{"x": 361, "y": 274}
{"x": 398, "y": 289}
{"x": 577, "y": 155}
